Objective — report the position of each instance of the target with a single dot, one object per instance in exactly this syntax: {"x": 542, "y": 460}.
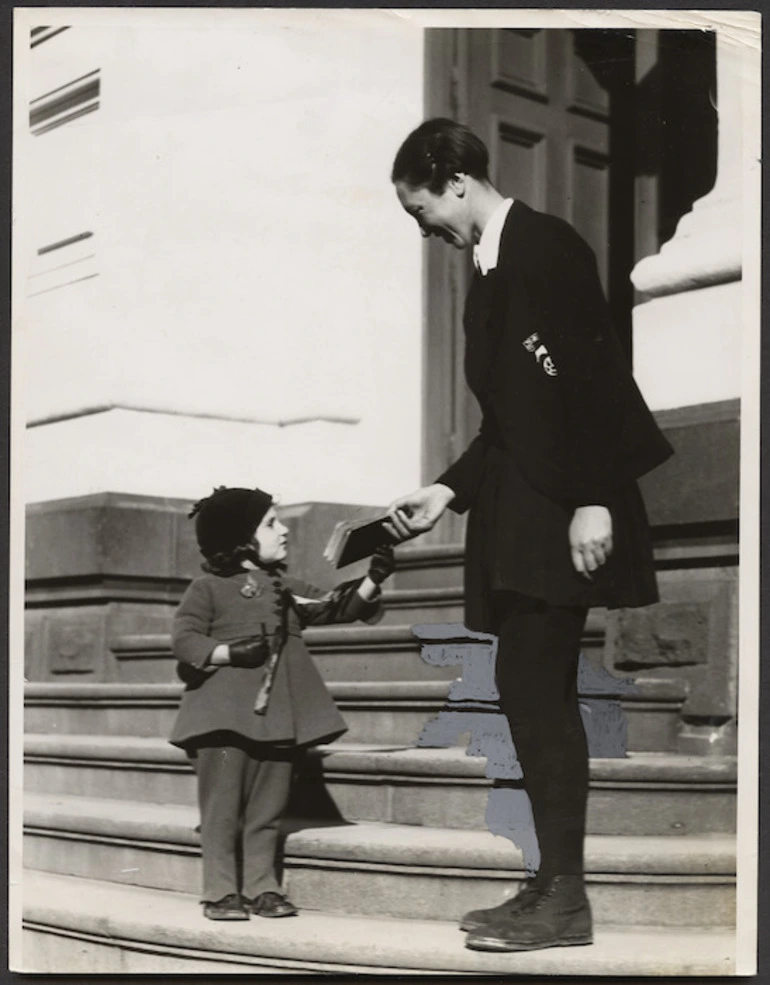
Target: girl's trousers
{"x": 243, "y": 790}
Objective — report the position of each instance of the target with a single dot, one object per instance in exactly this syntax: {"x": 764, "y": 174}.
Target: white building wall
{"x": 256, "y": 309}
{"x": 256, "y": 314}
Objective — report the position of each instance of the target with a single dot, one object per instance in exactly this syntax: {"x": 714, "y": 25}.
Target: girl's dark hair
{"x": 437, "y": 150}
{"x": 229, "y": 562}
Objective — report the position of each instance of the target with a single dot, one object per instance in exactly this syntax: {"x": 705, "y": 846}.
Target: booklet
{"x": 352, "y": 540}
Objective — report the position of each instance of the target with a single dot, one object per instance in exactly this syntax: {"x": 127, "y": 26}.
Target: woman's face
{"x": 444, "y": 214}
{"x": 270, "y": 538}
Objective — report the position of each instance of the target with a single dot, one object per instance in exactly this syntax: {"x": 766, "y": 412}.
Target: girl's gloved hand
{"x": 252, "y": 651}
{"x": 382, "y": 564}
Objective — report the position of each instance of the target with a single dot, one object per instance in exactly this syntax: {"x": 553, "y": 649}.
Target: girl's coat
{"x": 220, "y": 609}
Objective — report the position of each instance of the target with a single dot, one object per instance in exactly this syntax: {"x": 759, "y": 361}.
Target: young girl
{"x": 253, "y": 696}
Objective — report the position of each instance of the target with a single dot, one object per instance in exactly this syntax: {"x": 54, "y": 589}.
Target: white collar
{"x": 487, "y": 250}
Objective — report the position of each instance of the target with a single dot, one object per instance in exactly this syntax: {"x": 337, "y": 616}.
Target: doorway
{"x": 574, "y": 123}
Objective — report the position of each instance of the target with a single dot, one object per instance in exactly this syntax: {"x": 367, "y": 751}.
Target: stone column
{"x": 688, "y": 326}
{"x": 693, "y": 331}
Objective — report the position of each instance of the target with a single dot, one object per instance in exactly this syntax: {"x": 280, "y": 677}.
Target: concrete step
{"x": 360, "y": 653}
{"x": 82, "y": 926}
{"x": 417, "y": 606}
{"x": 376, "y": 711}
{"x": 437, "y": 566}
{"x": 642, "y": 794}
{"x": 412, "y": 871}
{"x": 372, "y": 868}
{"x": 386, "y": 651}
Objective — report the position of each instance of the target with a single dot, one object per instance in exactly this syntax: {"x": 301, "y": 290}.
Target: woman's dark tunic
{"x": 563, "y": 425}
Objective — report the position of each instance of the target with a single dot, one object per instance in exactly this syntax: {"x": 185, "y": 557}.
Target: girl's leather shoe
{"x": 230, "y": 907}
{"x": 558, "y": 915}
{"x": 272, "y": 905}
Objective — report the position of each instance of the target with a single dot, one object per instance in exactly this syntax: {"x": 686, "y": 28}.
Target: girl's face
{"x": 270, "y": 538}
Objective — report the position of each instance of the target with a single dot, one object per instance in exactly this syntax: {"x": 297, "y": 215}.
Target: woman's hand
{"x": 414, "y": 514}
{"x": 590, "y": 538}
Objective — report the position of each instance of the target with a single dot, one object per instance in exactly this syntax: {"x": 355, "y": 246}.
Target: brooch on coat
{"x": 533, "y": 344}
{"x": 251, "y": 589}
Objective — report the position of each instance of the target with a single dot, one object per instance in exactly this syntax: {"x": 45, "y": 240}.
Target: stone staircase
{"x": 387, "y": 842}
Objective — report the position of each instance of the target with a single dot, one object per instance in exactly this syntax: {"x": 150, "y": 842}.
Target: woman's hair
{"x": 437, "y": 150}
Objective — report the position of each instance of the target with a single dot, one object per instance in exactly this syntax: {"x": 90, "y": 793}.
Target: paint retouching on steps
{"x": 472, "y": 707}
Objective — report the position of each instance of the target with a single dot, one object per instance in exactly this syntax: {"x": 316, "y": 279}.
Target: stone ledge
{"x": 348, "y": 637}
{"x": 167, "y": 924}
{"x": 645, "y": 768}
{"x": 646, "y": 690}
{"x": 128, "y": 535}
{"x": 694, "y": 858}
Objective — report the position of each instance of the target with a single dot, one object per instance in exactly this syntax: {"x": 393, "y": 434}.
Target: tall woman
{"x": 556, "y": 523}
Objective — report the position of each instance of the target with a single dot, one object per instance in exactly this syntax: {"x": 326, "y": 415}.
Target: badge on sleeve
{"x": 535, "y": 346}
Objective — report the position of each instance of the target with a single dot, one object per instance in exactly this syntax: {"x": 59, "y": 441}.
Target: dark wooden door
{"x": 545, "y": 119}
{"x": 535, "y": 99}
